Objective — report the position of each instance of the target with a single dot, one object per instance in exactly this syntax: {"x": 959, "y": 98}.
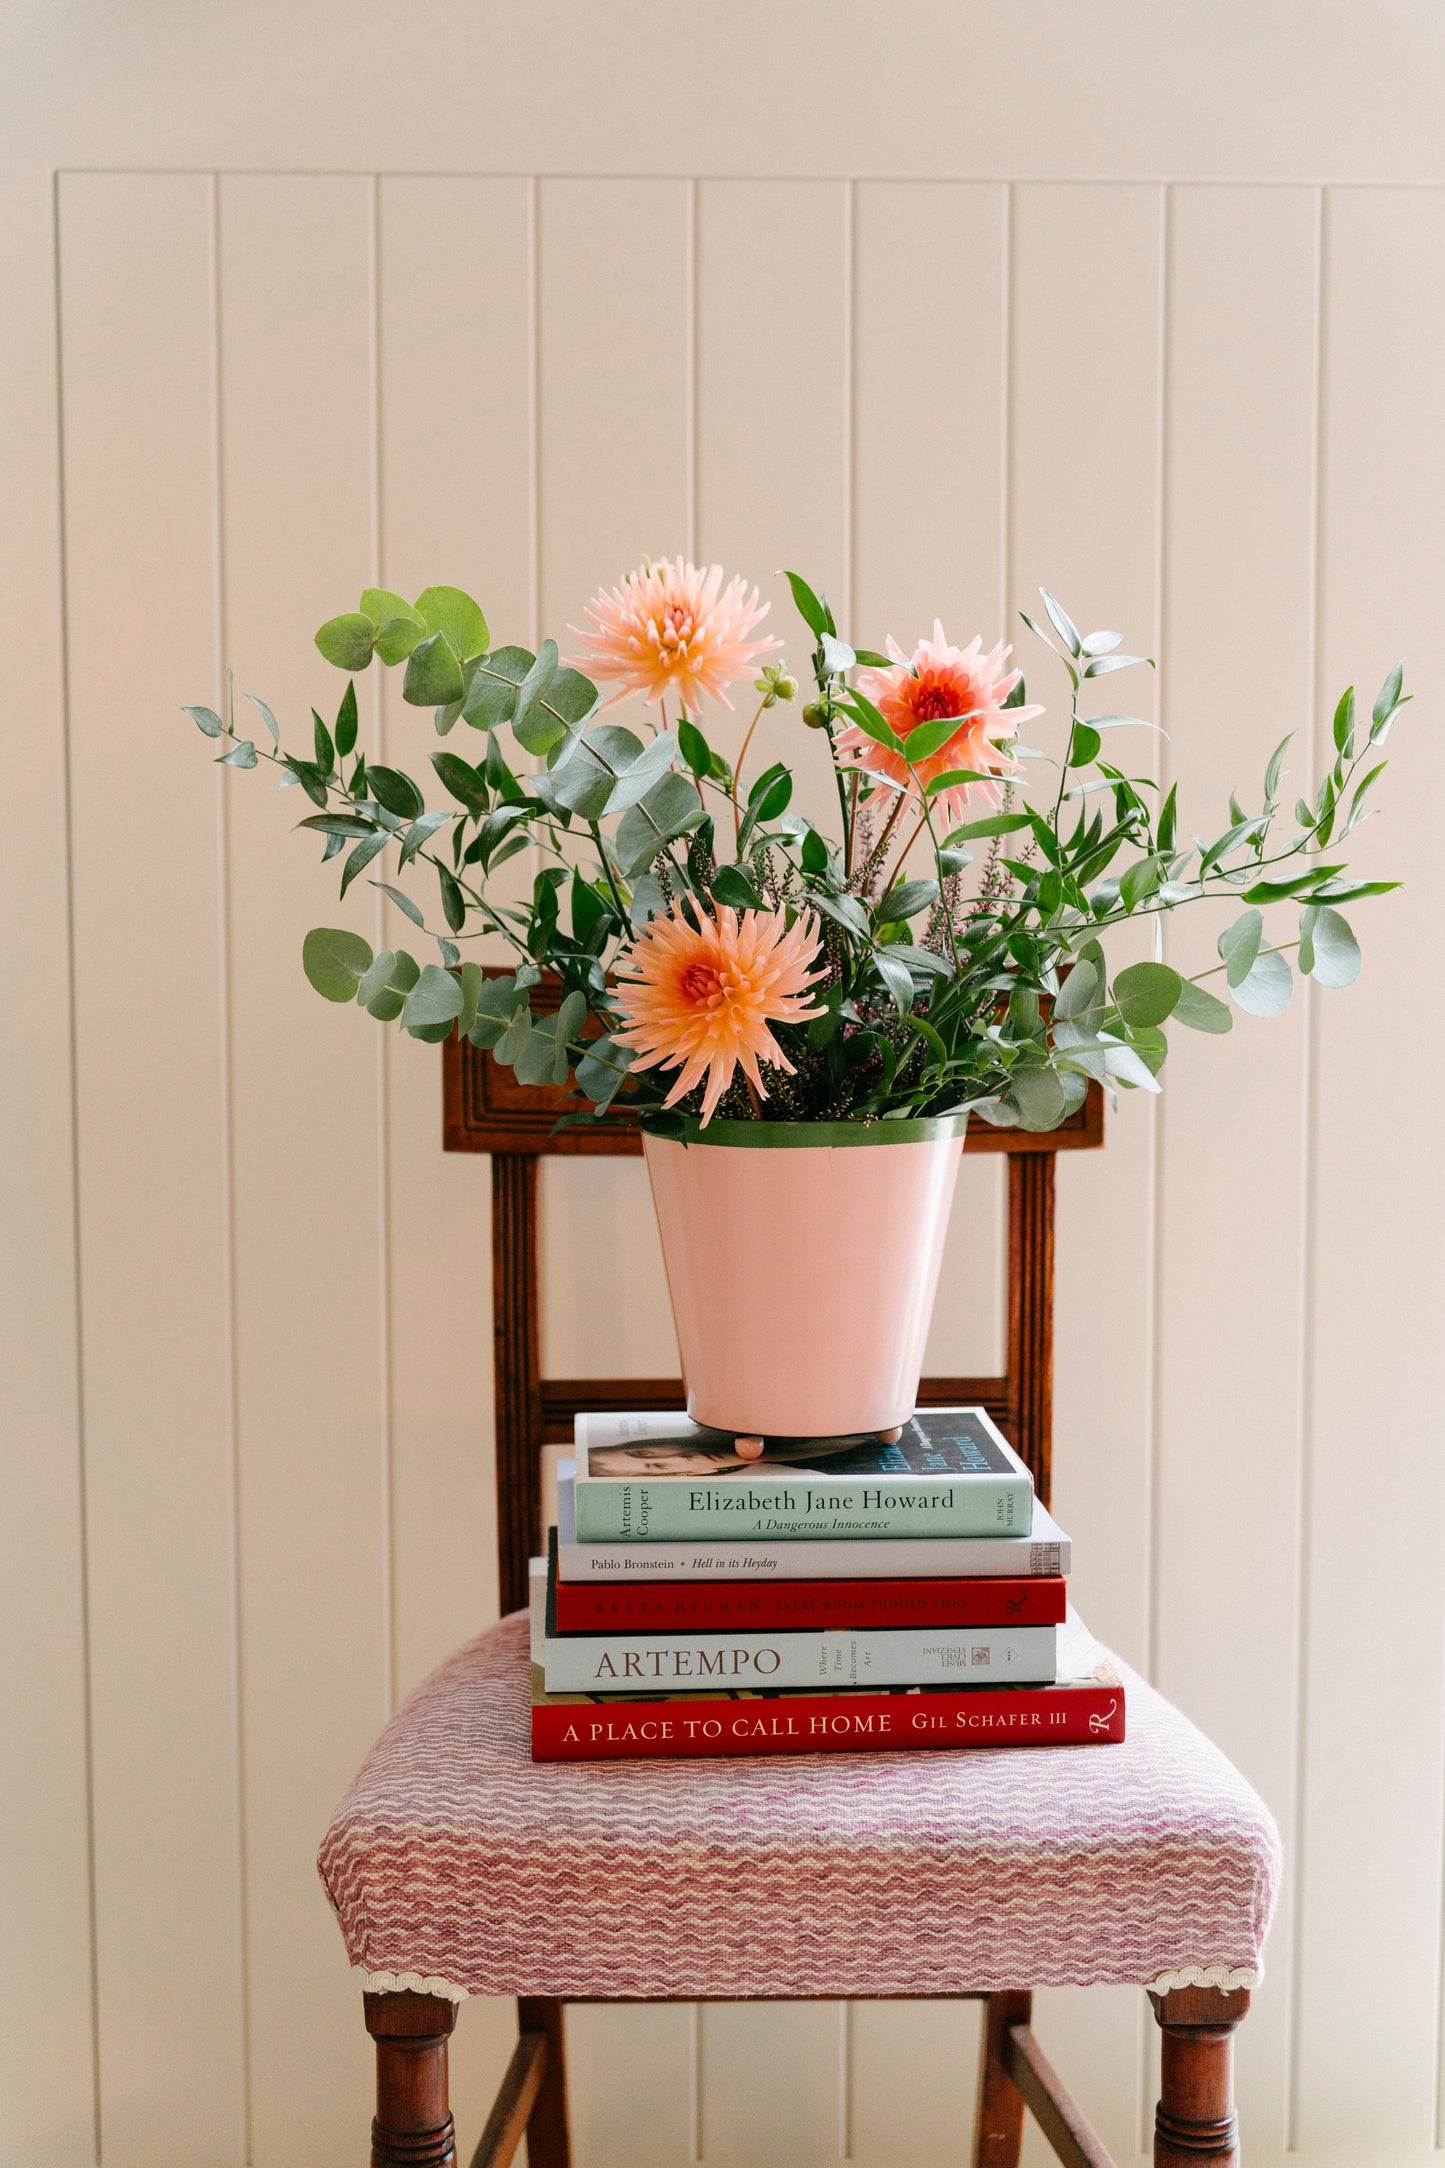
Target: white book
{"x": 1045, "y": 1549}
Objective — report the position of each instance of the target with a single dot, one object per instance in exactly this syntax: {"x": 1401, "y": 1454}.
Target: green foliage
{"x": 933, "y": 993}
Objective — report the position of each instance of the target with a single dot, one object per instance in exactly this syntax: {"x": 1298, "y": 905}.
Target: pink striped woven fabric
{"x": 459, "y": 1866}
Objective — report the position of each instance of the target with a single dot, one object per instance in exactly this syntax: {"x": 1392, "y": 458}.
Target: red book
{"x": 660, "y": 1607}
{"x": 613, "y": 1727}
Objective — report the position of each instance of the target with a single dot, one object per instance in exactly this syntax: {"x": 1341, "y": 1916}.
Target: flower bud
{"x": 815, "y": 715}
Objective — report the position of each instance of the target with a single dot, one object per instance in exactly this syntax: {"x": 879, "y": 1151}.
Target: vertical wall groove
{"x": 1309, "y": 1153}
{"x": 73, "y": 1087}
{"x": 534, "y": 405}
{"x": 224, "y": 694}
{"x": 850, "y": 403}
{"x": 690, "y": 373}
{"x": 385, "y": 1353}
{"x": 1159, "y": 1112}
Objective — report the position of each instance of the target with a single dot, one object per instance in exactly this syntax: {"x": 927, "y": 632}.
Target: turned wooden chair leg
{"x": 548, "y": 2144}
{"x": 999, "y": 2129}
{"x": 413, "y": 2126}
{"x": 1195, "y": 2125}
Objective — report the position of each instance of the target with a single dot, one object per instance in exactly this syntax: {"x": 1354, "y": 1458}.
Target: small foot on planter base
{"x": 891, "y": 1437}
{"x": 748, "y": 1448}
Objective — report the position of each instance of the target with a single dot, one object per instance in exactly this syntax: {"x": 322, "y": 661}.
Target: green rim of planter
{"x": 801, "y": 1136}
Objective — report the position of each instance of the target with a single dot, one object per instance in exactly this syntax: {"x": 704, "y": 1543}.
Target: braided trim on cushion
{"x": 407, "y": 1983}
{"x": 1225, "y": 1976}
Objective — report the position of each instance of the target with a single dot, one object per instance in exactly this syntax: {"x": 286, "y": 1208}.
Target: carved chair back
{"x": 485, "y": 1110}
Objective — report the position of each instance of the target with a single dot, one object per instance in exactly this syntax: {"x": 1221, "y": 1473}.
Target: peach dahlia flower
{"x": 703, "y": 996}
{"x": 674, "y": 628}
{"x": 941, "y": 680}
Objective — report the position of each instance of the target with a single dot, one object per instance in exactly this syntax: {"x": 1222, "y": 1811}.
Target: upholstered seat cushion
{"x": 459, "y": 1866}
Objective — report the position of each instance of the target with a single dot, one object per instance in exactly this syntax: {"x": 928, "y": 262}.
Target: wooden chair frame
{"x": 486, "y": 1112}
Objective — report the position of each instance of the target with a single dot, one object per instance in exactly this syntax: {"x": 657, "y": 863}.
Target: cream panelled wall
{"x": 250, "y": 1496}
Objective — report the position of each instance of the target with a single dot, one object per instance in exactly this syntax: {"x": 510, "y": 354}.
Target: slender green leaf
{"x": 454, "y": 904}
{"x": 1387, "y": 699}
{"x": 926, "y": 739}
{"x": 1062, "y": 623}
{"x": 346, "y": 724}
{"x": 463, "y": 781}
{"x": 421, "y": 829}
{"x": 240, "y": 756}
{"x": 341, "y": 824}
{"x": 206, "y": 719}
{"x": 403, "y": 902}
{"x": 955, "y": 779}
{"x": 1103, "y": 664}
{"x": 270, "y": 721}
{"x": 734, "y": 885}
{"x": 810, "y": 609}
{"x": 992, "y": 824}
{"x": 362, "y": 856}
{"x": 907, "y": 900}
{"x": 694, "y": 748}
{"x": 395, "y": 791}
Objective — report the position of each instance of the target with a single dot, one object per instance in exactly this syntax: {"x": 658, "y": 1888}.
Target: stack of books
{"x": 833, "y": 1595}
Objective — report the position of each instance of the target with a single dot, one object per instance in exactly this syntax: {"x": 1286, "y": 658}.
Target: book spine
{"x": 792, "y": 1509}
{"x": 827, "y": 1724}
{"x": 640, "y": 1663}
{"x": 797, "y": 1606}
{"x": 712, "y": 1562}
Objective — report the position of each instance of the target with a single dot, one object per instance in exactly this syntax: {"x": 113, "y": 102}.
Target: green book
{"x": 650, "y": 1478}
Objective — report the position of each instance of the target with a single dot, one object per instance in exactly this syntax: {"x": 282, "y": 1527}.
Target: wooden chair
{"x": 485, "y": 1111}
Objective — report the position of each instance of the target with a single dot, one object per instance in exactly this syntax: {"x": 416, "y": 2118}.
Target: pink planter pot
{"x": 802, "y": 1260}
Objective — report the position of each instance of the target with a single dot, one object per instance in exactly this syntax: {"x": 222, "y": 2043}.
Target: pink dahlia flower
{"x": 703, "y": 996}
{"x": 941, "y": 680}
{"x": 674, "y": 628}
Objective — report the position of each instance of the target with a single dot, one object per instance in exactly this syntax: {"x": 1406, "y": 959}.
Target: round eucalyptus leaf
{"x": 1266, "y": 990}
{"x": 347, "y": 641}
{"x": 1038, "y": 1095}
{"x": 433, "y": 674}
{"x": 1201, "y": 1010}
{"x": 1146, "y": 993}
{"x": 459, "y": 620}
{"x": 1337, "y": 958}
{"x": 335, "y": 960}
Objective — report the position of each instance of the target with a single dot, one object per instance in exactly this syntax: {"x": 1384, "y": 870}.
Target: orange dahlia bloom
{"x": 703, "y": 996}
{"x": 674, "y": 628}
{"x": 941, "y": 680}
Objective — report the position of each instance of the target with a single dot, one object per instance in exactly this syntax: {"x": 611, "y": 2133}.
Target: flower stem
{"x": 738, "y": 769}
